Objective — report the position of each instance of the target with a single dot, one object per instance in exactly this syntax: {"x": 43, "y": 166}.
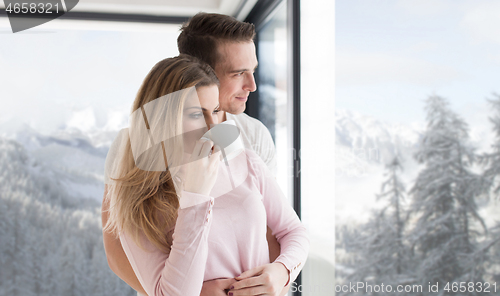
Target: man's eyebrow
{"x": 243, "y": 70}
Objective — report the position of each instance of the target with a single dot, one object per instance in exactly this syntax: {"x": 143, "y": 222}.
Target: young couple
{"x": 182, "y": 215}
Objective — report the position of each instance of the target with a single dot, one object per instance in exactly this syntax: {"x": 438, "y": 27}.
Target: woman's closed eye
{"x": 196, "y": 115}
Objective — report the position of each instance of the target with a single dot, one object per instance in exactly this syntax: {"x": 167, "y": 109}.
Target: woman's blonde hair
{"x": 145, "y": 201}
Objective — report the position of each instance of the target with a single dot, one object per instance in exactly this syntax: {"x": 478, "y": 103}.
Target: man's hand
{"x": 268, "y": 279}
{"x": 216, "y": 287}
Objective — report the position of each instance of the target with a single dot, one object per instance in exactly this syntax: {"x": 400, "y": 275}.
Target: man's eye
{"x": 196, "y": 115}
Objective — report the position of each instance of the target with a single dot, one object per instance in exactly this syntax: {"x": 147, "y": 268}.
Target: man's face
{"x": 235, "y": 73}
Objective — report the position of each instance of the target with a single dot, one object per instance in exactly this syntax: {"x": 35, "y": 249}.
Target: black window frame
{"x": 260, "y": 15}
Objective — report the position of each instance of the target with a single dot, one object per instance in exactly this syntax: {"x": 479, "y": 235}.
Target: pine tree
{"x": 380, "y": 252}
{"x": 444, "y": 202}
{"x": 492, "y": 160}
{"x": 393, "y": 191}
{"x": 491, "y": 174}
{"x": 47, "y": 248}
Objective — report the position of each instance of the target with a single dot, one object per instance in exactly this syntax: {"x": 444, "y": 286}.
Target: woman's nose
{"x": 211, "y": 121}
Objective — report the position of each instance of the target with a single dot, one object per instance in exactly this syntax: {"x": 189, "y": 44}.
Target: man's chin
{"x": 237, "y": 109}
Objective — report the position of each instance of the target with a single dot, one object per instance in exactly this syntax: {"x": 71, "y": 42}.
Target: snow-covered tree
{"x": 393, "y": 191}
{"x": 447, "y": 222}
{"x": 491, "y": 161}
{"x": 49, "y": 243}
{"x": 378, "y": 248}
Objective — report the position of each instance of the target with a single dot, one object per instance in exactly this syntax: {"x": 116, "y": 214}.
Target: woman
{"x": 184, "y": 216}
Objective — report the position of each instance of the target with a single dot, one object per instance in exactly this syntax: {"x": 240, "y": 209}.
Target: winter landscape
{"x": 417, "y": 143}
{"x": 423, "y": 219}
{"x": 50, "y": 195}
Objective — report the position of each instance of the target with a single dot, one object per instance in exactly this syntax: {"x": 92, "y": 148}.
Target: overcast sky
{"x": 391, "y": 55}
{"x": 84, "y": 74}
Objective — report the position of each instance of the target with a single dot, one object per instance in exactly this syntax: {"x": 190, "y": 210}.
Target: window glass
{"x": 317, "y": 144}
{"x": 272, "y": 91}
{"x": 67, "y": 89}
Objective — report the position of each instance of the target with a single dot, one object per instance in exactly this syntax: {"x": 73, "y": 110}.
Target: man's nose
{"x": 250, "y": 84}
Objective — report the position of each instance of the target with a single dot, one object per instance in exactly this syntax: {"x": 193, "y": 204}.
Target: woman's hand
{"x": 202, "y": 168}
{"x": 217, "y": 287}
{"x": 269, "y": 279}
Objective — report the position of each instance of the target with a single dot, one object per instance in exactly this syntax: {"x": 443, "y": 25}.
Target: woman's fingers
{"x": 201, "y": 148}
{"x": 248, "y": 283}
{"x": 249, "y": 273}
{"x": 202, "y": 168}
{"x": 252, "y": 291}
{"x": 215, "y": 157}
{"x": 216, "y": 149}
{"x": 269, "y": 279}
{"x": 216, "y": 287}
{"x": 197, "y": 148}
{"x": 206, "y": 148}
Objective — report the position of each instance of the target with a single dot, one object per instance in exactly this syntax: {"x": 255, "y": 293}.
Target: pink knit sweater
{"x": 224, "y": 234}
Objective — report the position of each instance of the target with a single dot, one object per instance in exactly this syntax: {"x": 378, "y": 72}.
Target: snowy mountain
{"x": 73, "y": 158}
{"x": 373, "y": 140}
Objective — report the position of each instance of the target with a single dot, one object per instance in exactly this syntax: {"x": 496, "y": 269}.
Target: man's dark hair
{"x": 202, "y": 34}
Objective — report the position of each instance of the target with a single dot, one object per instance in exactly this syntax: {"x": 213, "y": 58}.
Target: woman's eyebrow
{"x": 197, "y": 107}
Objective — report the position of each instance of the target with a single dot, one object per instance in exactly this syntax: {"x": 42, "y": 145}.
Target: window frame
{"x": 260, "y": 15}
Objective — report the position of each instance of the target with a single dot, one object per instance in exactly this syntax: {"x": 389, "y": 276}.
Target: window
{"x": 67, "y": 89}
{"x": 272, "y": 91}
{"x": 294, "y": 100}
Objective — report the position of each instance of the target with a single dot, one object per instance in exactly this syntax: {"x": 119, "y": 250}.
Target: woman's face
{"x": 199, "y": 115}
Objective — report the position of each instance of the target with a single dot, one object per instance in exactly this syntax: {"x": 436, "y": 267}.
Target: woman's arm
{"x": 119, "y": 264}
{"x": 117, "y": 260}
{"x": 181, "y": 271}
{"x": 284, "y": 222}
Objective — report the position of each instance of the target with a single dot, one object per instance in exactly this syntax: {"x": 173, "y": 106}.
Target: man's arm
{"x": 220, "y": 287}
{"x": 269, "y": 157}
{"x": 117, "y": 260}
{"x": 267, "y": 152}
{"x": 274, "y": 252}
{"x": 274, "y": 246}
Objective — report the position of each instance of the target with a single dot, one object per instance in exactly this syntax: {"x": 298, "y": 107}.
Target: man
{"x": 226, "y": 44}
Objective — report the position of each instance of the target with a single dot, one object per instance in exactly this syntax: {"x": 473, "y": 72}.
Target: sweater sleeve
{"x": 282, "y": 219}
{"x": 180, "y": 272}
